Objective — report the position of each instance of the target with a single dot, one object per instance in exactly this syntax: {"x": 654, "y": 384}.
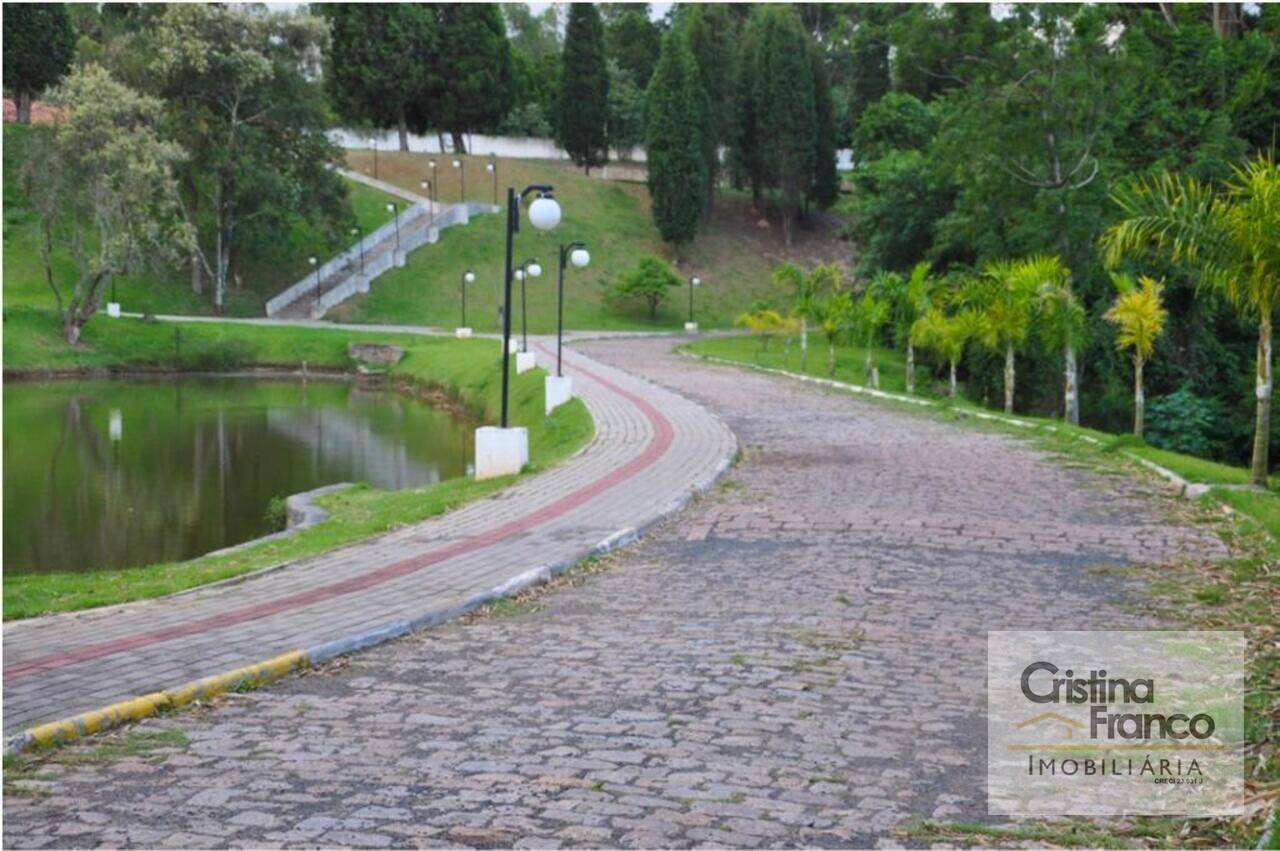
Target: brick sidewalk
{"x": 651, "y": 449}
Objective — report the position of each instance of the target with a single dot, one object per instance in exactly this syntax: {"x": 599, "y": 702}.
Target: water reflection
{"x": 102, "y": 474}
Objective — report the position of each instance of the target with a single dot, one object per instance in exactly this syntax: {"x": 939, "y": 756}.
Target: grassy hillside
{"x": 267, "y": 269}
{"x": 466, "y": 370}
{"x": 734, "y": 255}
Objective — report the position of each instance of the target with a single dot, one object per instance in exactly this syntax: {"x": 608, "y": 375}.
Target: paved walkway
{"x": 651, "y": 449}
{"x": 796, "y": 660}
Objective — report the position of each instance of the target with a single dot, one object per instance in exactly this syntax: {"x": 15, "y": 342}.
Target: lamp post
{"x": 313, "y": 262}
{"x": 694, "y": 281}
{"x": 431, "y": 205}
{"x": 530, "y": 268}
{"x": 462, "y": 178}
{"x": 468, "y": 277}
{"x": 435, "y": 183}
{"x": 391, "y": 208}
{"x": 492, "y": 168}
{"x": 356, "y": 232}
{"x": 575, "y": 253}
{"x": 544, "y": 214}
{"x": 375, "y": 157}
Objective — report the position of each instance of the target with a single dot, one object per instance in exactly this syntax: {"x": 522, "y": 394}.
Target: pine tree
{"x": 710, "y": 30}
{"x": 746, "y": 160}
{"x": 38, "y": 46}
{"x": 475, "y": 69}
{"x": 674, "y": 141}
{"x": 378, "y": 64}
{"x": 785, "y": 115}
{"x": 825, "y": 187}
{"x": 584, "y": 89}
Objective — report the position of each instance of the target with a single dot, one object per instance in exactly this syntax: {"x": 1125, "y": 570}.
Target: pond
{"x": 122, "y": 472}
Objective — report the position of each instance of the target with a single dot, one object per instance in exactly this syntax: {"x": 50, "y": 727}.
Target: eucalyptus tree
{"x": 1062, "y": 321}
{"x": 101, "y": 181}
{"x": 1003, "y": 296}
{"x": 1230, "y": 239}
{"x": 1139, "y": 315}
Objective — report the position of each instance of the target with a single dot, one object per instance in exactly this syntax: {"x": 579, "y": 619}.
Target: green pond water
{"x": 123, "y": 472}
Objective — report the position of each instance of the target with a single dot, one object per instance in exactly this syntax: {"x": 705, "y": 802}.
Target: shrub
{"x": 650, "y": 280}
{"x": 1184, "y": 422}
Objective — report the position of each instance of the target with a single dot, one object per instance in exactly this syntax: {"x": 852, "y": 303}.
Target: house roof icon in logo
{"x": 1068, "y": 726}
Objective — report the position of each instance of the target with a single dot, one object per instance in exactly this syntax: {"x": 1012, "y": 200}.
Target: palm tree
{"x": 1063, "y": 321}
{"x": 1230, "y": 238}
{"x": 1139, "y": 315}
{"x": 837, "y": 313}
{"x": 871, "y": 316}
{"x": 807, "y": 290}
{"x": 1003, "y": 297}
{"x": 911, "y": 298}
{"x": 945, "y": 334}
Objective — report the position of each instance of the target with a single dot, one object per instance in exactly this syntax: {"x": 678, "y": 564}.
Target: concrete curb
{"x": 135, "y": 709}
{"x": 1186, "y": 489}
{"x": 138, "y": 708}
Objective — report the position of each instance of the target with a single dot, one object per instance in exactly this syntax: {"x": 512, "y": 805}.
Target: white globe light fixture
{"x": 579, "y": 257}
{"x": 470, "y": 277}
{"x": 544, "y": 213}
{"x": 457, "y": 163}
{"x": 697, "y": 282}
{"x": 519, "y": 274}
{"x": 535, "y": 270}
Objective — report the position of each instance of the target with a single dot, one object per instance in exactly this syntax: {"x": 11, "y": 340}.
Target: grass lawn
{"x": 467, "y": 370}
{"x": 732, "y": 255}
{"x": 267, "y": 269}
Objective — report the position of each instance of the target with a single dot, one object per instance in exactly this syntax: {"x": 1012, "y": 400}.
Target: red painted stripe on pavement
{"x": 661, "y": 441}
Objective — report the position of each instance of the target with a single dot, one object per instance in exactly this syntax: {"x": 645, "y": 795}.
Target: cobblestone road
{"x": 796, "y": 660}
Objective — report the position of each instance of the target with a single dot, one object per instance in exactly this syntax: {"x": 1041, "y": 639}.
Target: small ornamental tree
{"x": 1139, "y": 316}
{"x": 101, "y": 181}
{"x": 674, "y": 142}
{"x": 651, "y": 280}
{"x": 872, "y": 315}
{"x": 1004, "y": 297}
{"x": 1062, "y": 321}
{"x": 39, "y": 43}
{"x": 584, "y": 89}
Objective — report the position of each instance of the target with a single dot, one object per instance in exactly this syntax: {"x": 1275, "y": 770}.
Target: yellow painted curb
{"x": 137, "y": 708}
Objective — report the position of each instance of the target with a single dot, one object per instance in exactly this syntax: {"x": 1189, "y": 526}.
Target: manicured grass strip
{"x": 851, "y": 366}
{"x": 468, "y": 371}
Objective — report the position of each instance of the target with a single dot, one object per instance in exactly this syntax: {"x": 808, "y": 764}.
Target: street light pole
{"x": 492, "y": 166}
{"x": 391, "y": 208}
{"x": 544, "y": 213}
{"x": 528, "y": 269}
{"x": 435, "y": 183}
{"x": 468, "y": 277}
{"x": 462, "y": 177}
{"x": 312, "y": 261}
{"x": 577, "y": 253}
{"x": 694, "y": 281}
{"x": 425, "y": 185}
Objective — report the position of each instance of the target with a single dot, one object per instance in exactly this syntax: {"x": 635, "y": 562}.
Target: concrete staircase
{"x": 344, "y": 275}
